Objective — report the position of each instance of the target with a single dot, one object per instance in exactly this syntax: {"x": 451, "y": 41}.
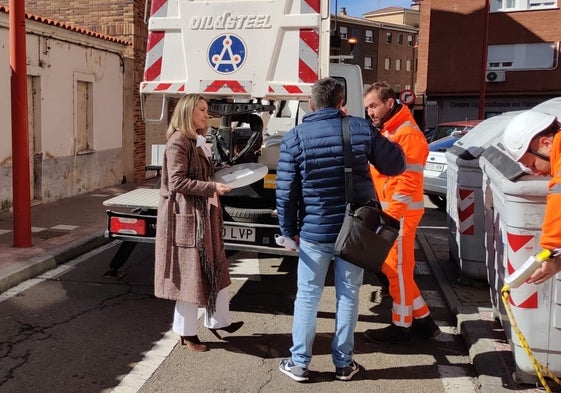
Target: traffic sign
{"x": 407, "y": 97}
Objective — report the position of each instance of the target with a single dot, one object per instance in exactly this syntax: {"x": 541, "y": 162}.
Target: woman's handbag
{"x": 367, "y": 234}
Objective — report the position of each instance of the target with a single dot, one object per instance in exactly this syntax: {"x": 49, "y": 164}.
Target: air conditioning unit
{"x": 494, "y": 76}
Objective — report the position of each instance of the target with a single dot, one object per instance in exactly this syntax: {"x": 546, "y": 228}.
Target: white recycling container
{"x": 464, "y": 195}
{"x": 515, "y": 205}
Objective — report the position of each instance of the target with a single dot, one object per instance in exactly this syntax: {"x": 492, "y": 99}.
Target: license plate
{"x": 235, "y": 233}
{"x": 430, "y": 166}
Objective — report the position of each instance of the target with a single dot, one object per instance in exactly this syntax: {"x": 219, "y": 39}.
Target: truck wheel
{"x": 259, "y": 216}
{"x": 438, "y": 200}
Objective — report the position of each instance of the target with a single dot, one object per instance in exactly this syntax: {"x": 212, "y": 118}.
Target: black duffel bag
{"x": 367, "y": 235}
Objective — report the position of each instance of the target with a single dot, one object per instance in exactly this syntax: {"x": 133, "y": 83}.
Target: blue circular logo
{"x": 226, "y": 53}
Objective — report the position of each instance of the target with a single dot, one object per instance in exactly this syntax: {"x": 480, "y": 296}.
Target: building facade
{"x": 475, "y": 61}
{"x": 124, "y": 20}
{"x": 384, "y": 51}
{"x": 75, "y": 109}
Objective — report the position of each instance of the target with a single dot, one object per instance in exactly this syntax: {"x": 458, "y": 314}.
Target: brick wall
{"x": 452, "y": 35}
{"x": 109, "y": 17}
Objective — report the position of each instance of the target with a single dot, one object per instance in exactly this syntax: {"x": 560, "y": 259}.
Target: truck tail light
{"x": 127, "y": 226}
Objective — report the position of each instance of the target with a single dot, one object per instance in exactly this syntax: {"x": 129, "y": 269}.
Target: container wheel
{"x": 523, "y": 378}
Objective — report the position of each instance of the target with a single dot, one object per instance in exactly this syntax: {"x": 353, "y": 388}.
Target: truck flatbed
{"x": 141, "y": 198}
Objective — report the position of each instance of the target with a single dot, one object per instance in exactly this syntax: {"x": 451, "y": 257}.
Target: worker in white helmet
{"x": 533, "y": 139}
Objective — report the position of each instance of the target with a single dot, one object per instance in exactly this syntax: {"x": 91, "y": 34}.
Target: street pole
{"x": 20, "y": 140}
{"x": 484, "y": 50}
{"x": 335, "y": 13}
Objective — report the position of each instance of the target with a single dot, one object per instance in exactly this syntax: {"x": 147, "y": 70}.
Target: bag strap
{"x": 348, "y": 159}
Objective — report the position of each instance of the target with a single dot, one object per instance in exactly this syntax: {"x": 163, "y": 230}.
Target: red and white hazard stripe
{"x": 520, "y": 246}
{"x": 308, "y": 63}
{"x": 280, "y": 89}
{"x": 155, "y": 46}
{"x": 225, "y": 86}
{"x": 161, "y": 87}
{"x": 466, "y": 210}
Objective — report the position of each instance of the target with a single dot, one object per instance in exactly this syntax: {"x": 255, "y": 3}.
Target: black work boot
{"x": 392, "y": 334}
{"x": 426, "y": 327}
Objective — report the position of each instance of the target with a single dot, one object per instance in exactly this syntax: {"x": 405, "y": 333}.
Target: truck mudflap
{"x": 241, "y": 236}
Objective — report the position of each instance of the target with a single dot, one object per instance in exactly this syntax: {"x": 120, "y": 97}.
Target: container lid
{"x": 241, "y": 175}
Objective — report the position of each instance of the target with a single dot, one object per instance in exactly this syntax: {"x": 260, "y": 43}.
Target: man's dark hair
{"x": 384, "y": 90}
{"x": 327, "y": 93}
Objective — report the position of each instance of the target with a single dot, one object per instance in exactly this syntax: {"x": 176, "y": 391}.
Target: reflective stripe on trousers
{"x": 399, "y": 268}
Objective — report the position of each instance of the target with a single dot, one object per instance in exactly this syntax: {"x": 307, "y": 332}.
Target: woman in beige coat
{"x": 191, "y": 266}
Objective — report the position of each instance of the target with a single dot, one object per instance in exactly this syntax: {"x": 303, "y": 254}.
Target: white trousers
{"x": 185, "y": 315}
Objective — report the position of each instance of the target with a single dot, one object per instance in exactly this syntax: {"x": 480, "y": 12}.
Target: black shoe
{"x": 426, "y": 327}
{"x": 392, "y": 334}
{"x": 113, "y": 274}
{"x": 347, "y": 373}
{"x": 193, "y": 343}
{"x": 231, "y": 328}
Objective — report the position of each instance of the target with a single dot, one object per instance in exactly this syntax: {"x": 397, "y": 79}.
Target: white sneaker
{"x": 297, "y": 373}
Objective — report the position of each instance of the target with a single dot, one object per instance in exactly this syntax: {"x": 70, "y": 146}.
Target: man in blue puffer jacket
{"x": 311, "y": 206}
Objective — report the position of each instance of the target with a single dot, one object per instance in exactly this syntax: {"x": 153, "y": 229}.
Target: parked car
{"x": 446, "y": 129}
{"x": 428, "y": 133}
{"x": 441, "y": 139}
{"x": 434, "y": 182}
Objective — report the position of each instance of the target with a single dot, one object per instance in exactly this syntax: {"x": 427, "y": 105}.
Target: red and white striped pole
{"x": 21, "y": 195}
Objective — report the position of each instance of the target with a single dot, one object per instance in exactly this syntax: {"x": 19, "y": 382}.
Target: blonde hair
{"x": 182, "y": 118}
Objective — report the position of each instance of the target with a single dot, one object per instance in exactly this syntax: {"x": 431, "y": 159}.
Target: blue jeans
{"x": 313, "y": 264}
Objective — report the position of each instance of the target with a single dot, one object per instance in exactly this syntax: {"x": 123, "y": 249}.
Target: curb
{"x": 469, "y": 324}
{"x": 40, "y": 264}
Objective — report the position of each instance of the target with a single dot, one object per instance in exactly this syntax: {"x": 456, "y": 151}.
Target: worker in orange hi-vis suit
{"x": 532, "y": 138}
{"x": 401, "y": 196}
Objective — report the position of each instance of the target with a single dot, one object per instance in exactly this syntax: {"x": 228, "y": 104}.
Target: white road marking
{"x": 245, "y": 265}
{"x": 143, "y": 370}
{"x": 63, "y": 227}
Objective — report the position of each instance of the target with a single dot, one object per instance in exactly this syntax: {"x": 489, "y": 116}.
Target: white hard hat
{"x": 521, "y": 129}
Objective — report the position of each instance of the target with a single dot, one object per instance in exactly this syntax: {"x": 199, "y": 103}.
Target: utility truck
{"x": 255, "y": 62}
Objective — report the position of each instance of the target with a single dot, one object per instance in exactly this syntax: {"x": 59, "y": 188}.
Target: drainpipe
{"x": 20, "y": 140}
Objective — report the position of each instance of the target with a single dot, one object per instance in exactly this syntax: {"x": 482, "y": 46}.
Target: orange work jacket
{"x": 402, "y": 195}
{"x": 551, "y": 228}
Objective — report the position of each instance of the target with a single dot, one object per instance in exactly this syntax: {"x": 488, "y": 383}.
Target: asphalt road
{"x": 72, "y": 330}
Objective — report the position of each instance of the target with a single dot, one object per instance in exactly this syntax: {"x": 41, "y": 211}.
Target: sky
{"x": 359, "y": 7}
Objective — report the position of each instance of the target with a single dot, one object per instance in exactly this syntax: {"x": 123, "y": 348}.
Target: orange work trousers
{"x": 399, "y": 268}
